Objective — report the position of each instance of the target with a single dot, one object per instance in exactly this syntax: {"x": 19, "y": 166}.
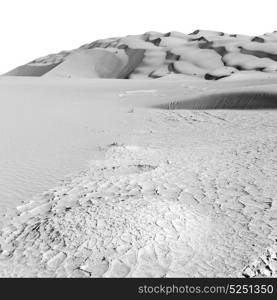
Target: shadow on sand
{"x": 235, "y": 100}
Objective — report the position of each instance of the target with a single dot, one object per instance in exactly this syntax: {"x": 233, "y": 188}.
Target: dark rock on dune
{"x": 213, "y": 77}
{"x": 171, "y": 68}
{"x": 259, "y": 69}
{"x": 194, "y": 32}
{"x": 123, "y": 46}
{"x": 210, "y": 45}
{"x": 258, "y": 39}
{"x": 156, "y": 42}
{"x": 172, "y": 56}
{"x": 260, "y": 54}
{"x": 239, "y": 68}
{"x": 200, "y": 39}
{"x": 206, "y": 45}
{"x": 154, "y": 76}
{"x": 220, "y": 50}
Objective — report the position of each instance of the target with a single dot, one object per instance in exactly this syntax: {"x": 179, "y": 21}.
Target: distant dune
{"x": 203, "y": 54}
{"x": 32, "y": 70}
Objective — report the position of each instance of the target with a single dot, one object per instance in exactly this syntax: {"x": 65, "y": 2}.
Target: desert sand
{"x": 173, "y": 171}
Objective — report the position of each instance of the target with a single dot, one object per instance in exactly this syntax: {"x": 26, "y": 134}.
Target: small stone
{"x": 249, "y": 272}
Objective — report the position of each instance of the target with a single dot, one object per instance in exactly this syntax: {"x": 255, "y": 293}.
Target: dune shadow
{"x": 32, "y": 70}
{"x": 235, "y": 100}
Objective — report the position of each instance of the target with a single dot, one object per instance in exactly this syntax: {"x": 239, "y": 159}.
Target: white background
{"x": 33, "y": 28}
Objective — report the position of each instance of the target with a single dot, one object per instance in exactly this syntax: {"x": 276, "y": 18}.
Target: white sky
{"x": 33, "y": 28}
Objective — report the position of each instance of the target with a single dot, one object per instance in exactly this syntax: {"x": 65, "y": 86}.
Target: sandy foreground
{"x": 179, "y": 192}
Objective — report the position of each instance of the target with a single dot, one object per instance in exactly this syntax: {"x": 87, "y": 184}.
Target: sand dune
{"x": 182, "y": 176}
{"x": 205, "y": 54}
{"x": 86, "y": 63}
{"x": 98, "y": 63}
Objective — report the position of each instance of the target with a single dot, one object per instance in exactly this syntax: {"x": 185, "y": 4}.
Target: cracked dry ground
{"x": 191, "y": 194}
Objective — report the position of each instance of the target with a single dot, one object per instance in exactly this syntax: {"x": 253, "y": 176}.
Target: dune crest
{"x": 203, "y": 54}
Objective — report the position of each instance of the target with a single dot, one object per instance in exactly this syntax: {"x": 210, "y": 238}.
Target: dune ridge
{"x": 209, "y": 55}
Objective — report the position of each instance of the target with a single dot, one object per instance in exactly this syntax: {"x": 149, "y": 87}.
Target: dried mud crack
{"x": 200, "y": 205}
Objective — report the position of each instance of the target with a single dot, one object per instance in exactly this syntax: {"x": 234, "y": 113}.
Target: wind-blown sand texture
{"x": 185, "y": 183}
